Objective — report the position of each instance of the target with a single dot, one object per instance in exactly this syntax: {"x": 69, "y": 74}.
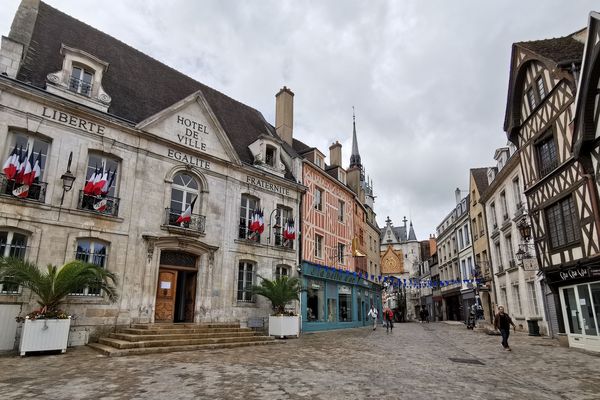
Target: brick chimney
{"x": 335, "y": 154}
{"x": 284, "y": 114}
{"x": 432, "y": 245}
{"x": 457, "y": 195}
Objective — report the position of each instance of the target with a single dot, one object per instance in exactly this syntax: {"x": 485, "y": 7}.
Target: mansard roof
{"x": 139, "y": 85}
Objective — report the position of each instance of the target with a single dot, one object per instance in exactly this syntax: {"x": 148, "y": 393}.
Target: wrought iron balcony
{"x": 104, "y": 205}
{"x": 79, "y": 86}
{"x": 37, "y": 191}
{"x": 197, "y": 223}
{"x": 280, "y": 241}
{"x": 245, "y": 233}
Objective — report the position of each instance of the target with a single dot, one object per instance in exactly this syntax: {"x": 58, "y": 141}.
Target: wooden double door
{"x": 175, "y": 294}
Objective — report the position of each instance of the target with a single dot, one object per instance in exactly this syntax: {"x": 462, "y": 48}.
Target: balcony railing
{"x": 280, "y": 241}
{"x": 79, "y": 86}
{"x": 37, "y": 191}
{"x": 245, "y": 233}
{"x": 197, "y": 223}
{"x": 104, "y": 205}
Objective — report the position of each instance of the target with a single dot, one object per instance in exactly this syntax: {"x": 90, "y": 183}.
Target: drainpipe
{"x": 300, "y": 239}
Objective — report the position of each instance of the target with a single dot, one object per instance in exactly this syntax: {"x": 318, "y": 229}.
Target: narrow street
{"x": 416, "y": 361}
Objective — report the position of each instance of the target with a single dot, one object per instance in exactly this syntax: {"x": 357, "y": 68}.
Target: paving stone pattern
{"x": 413, "y": 362}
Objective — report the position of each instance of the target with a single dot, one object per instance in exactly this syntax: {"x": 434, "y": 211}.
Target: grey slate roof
{"x": 139, "y": 85}
{"x": 398, "y": 231}
{"x": 480, "y": 178}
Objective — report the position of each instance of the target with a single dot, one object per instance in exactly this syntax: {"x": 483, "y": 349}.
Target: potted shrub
{"x": 48, "y": 327}
{"x": 280, "y": 292}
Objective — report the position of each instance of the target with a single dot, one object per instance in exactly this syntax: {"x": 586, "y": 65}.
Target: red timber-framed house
{"x": 560, "y": 191}
{"x": 338, "y": 291}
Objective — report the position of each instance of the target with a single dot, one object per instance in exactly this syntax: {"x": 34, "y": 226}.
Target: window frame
{"x": 560, "y": 223}
{"x": 91, "y": 256}
{"x": 319, "y": 242}
{"x": 8, "y": 249}
{"x": 341, "y": 211}
{"x": 319, "y": 194}
{"x": 247, "y": 215}
{"x": 244, "y": 288}
{"x": 280, "y": 268}
{"x": 79, "y": 80}
{"x": 341, "y": 249}
{"x": 546, "y": 163}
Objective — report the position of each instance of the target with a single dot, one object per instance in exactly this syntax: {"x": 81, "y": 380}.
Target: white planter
{"x": 284, "y": 326}
{"x": 44, "y": 334}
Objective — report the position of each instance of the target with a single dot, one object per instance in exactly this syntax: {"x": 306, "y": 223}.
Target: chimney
{"x": 335, "y": 154}
{"x": 284, "y": 114}
{"x": 432, "y": 245}
{"x": 457, "y": 195}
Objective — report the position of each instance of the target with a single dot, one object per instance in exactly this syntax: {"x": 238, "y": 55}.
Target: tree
{"x": 55, "y": 284}
{"x": 280, "y": 291}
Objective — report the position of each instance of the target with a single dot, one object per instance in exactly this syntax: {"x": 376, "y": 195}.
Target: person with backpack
{"x": 388, "y": 316}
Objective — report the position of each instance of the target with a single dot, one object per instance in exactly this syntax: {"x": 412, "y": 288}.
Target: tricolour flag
{"x": 289, "y": 231}
{"x": 11, "y": 164}
{"x": 88, "y": 189}
{"x": 37, "y": 168}
{"x": 186, "y": 216}
{"x": 100, "y": 181}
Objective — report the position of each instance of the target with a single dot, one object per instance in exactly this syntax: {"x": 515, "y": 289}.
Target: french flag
{"x": 100, "y": 181}
{"x": 88, "y": 189}
{"x": 186, "y": 216}
{"x": 11, "y": 164}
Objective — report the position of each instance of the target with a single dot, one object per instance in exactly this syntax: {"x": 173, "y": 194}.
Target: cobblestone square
{"x": 413, "y": 362}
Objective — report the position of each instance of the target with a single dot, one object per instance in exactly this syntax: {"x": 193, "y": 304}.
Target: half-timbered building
{"x": 560, "y": 190}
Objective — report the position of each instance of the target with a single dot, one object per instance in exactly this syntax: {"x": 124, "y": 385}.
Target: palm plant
{"x": 280, "y": 291}
{"x": 55, "y": 284}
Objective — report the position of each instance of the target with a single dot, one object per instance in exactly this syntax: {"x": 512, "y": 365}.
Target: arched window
{"x": 12, "y": 244}
{"x": 184, "y": 190}
{"x": 246, "y": 277}
{"x": 249, "y": 204}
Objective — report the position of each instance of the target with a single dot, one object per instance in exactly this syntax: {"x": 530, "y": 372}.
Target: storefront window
{"x": 359, "y": 304}
{"x": 589, "y": 324}
{"x": 345, "y": 303}
{"x": 572, "y": 312}
{"x": 595, "y": 289}
{"x": 315, "y": 304}
{"x": 332, "y": 309}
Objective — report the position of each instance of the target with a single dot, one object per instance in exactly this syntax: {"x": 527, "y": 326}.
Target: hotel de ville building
{"x": 82, "y": 103}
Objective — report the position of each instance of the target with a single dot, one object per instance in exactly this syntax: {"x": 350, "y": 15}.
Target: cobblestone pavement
{"x": 411, "y": 363}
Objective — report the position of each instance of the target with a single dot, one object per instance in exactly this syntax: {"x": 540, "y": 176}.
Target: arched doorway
{"x": 176, "y": 287}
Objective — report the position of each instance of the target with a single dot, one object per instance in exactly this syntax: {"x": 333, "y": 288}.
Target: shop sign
{"x": 573, "y": 273}
{"x": 344, "y": 290}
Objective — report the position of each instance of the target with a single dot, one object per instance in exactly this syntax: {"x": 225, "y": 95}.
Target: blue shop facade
{"x": 336, "y": 299}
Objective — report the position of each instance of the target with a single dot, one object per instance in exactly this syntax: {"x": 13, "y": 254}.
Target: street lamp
{"x": 526, "y": 250}
{"x": 68, "y": 178}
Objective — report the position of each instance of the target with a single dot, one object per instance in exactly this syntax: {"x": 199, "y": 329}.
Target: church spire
{"x": 355, "y": 157}
{"x": 411, "y": 233}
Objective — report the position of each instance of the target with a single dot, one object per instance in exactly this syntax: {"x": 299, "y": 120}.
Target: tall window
{"x": 547, "y": 155}
{"x": 319, "y": 246}
{"x": 504, "y": 298}
{"x": 461, "y": 243}
{"x": 480, "y": 223}
{"x": 531, "y": 99}
{"x": 341, "y": 250}
{"x": 35, "y": 145}
{"x": 341, "y": 205}
{"x": 93, "y": 252}
{"x": 12, "y": 244}
{"x": 533, "y": 301}
{"x": 498, "y": 257}
{"x": 510, "y": 251}
{"x": 467, "y": 235}
{"x": 31, "y": 147}
{"x": 517, "y": 299}
{"x": 517, "y": 192}
{"x": 493, "y": 212}
{"x": 270, "y": 155}
{"x": 504, "y": 205}
{"x": 561, "y": 220}
{"x": 282, "y": 270}
{"x": 282, "y": 216}
{"x": 540, "y": 87}
{"x": 249, "y": 204}
{"x": 318, "y": 199}
{"x": 81, "y": 81}
{"x": 102, "y": 198}
{"x": 246, "y": 271}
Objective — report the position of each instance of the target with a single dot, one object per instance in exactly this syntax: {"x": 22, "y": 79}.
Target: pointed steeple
{"x": 355, "y": 157}
{"x": 411, "y": 233}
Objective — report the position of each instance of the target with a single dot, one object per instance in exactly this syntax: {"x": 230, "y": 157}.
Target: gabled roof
{"x": 480, "y": 178}
{"x": 399, "y": 233}
{"x": 557, "y": 52}
{"x": 139, "y": 85}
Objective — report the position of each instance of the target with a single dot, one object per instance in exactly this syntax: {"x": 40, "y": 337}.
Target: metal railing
{"x": 197, "y": 223}
{"x": 104, "y": 205}
{"x": 79, "y": 86}
{"x": 37, "y": 191}
{"x": 280, "y": 241}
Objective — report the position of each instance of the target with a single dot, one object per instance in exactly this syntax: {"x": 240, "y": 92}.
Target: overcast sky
{"x": 428, "y": 79}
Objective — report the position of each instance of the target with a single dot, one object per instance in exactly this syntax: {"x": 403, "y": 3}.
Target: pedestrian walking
{"x": 422, "y": 315}
{"x": 388, "y": 316}
{"x": 426, "y": 313}
{"x": 373, "y": 314}
{"x": 503, "y": 321}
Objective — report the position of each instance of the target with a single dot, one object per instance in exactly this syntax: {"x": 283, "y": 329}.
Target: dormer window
{"x": 81, "y": 81}
{"x": 267, "y": 154}
{"x": 318, "y": 161}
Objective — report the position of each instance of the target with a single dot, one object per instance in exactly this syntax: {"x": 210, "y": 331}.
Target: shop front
{"x": 579, "y": 293}
{"x": 336, "y": 299}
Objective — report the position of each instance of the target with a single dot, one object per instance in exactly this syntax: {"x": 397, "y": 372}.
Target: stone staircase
{"x": 165, "y": 338}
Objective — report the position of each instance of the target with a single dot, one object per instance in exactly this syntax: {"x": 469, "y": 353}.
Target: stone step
{"x": 166, "y": 336}
{"x": 168, "y": 326}
{"x": 114, "y": 352}
{"x": 136, "y": 331}
{"x": 125, "y": 344}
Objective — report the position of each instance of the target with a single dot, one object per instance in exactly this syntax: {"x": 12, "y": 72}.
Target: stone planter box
{"x": 44, "y": 334}
{"x": 281, "y": 326}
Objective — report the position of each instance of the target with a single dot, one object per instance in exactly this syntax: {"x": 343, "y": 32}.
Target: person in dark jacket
{"x": 503, "y": 322}
{"x": 388, "y": 317}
